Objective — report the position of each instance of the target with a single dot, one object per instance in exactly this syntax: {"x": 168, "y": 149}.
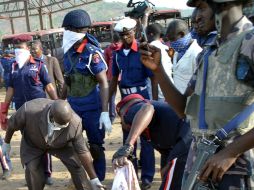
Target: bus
{"x": 51, "y": 39}
{"x": 103, "y": 32}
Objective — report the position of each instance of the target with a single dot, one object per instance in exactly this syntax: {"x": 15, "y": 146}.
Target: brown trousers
{"x": 35, "y": 175}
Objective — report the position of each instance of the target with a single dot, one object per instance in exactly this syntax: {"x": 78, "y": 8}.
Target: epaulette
{"x": 91, "y": 48}
{"x": 92, "y": 40}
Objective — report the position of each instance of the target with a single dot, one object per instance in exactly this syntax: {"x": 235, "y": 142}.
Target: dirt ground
{"x": 60, "y": 174}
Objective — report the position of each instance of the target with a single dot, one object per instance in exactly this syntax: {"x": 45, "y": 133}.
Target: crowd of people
{"x": 185, "y": 92}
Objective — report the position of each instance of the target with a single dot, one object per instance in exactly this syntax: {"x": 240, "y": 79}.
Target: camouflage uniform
{"x": 225, "y": 97}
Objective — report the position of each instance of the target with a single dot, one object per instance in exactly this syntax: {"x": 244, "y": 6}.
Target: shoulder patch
{"x": 96, "y": 58}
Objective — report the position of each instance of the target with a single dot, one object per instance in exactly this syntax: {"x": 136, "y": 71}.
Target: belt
{"x": 132, "y": 90}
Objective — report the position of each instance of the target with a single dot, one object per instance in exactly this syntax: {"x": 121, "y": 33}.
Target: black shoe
{"x": 6, "y": 174}
{"x": 49, "y": 181}
{"x": 146, "y": 185}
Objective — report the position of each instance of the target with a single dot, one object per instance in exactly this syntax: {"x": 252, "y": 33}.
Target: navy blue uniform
{"x": 132, "y": 72}
{"x": 133, "y": 80}
{"x": 171, "y": 136}
{"x": 81, "y": 66}
{"x": 29, "y": 82}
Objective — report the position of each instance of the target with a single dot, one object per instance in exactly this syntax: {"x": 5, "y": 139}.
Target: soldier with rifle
{"x": 220, "y": 108}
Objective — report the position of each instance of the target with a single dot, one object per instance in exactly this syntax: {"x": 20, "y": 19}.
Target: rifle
{"x": 205, "y": 149}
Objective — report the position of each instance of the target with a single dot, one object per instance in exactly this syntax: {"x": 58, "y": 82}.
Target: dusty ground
{"x": 60, "y": 175}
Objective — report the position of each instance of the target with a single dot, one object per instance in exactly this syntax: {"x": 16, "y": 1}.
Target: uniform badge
{"x": 96, "y": 58}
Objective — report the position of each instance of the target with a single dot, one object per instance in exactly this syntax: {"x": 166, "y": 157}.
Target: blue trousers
{"x": 90, "y": 123}
{"x": 112, "y": 108}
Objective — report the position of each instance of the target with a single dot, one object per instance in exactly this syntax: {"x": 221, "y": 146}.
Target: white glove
{"x": 96, "y": 184}
{"x": 105, "y": 121}
{"x": 6, "y": 149}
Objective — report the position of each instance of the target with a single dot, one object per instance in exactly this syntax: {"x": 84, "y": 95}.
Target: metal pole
{"x": 40, "y": 17}
{"x": 12, "y": 26}
{"x": 50, "y": 20}
{"x": 27, "y": 16}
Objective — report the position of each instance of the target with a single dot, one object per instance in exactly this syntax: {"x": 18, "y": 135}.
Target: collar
{"x": 51, "y": 125}
{"x": 32, "y": 60}
{"x": 82, "y": 46}
{"x": 209, "y": 40}
{"x": 134, "y": 45}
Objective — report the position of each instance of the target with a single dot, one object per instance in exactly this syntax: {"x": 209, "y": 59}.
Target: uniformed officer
{"x": 170, "y": 135}
{"x": 28, "y": 80}
{"x": 224, "y": 88}
{"x": 29, "y": 77}
{"x": 133, "y": 79}
{"x": 85, "y": 68}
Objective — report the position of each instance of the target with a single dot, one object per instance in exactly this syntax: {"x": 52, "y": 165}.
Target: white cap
{"x": 125, "y": 24}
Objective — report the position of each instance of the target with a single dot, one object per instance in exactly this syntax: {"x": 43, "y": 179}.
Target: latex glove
{"x": 6, "y": 149}
{"x": 96, "y": 184}
{"x": 4, "y": 125}
{"x": 105, "y": 121}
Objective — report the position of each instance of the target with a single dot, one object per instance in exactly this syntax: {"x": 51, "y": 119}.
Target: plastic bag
{"x": 125, "y": 178}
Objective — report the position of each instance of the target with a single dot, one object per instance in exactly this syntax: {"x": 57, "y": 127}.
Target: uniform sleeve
{"x": 10, "y": 83}
{"x": 17, "y": 120}
{"x": 247, "y": 47}
{"x": 98, "y": 63}
{"x": 79, "y": 143}
{"x": 44, "y": 77}
{"x": 245, "y": 60}
{"x": 115, "y": 69}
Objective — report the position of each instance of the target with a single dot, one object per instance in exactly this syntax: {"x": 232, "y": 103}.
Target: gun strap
{"x": 235, "y": 122}
{"x": 202, "y": 122}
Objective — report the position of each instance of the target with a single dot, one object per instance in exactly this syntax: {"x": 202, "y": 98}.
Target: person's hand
{"x": 164, "y": 171}
{"x": 4, "y": 124}
{"x": 150, "y": 56}
{"x": 96, "y": 184}
{"x": 6, "y": 149}
{"x": 120, "y": 162}
{"x": 120, "y": 156}
{"x": 4, "y": 112}
{"x": 105, "y": 121}
{"x": 217, "y": 166}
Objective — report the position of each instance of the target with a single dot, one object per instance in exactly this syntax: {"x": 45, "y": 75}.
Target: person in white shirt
{"x": 186, "y": 51}
{"x": 154, "y": 32}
